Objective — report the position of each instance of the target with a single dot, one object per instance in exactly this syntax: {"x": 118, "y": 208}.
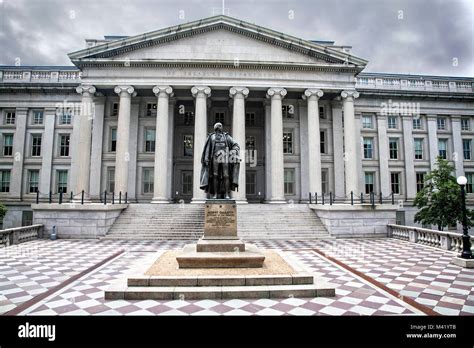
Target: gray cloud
{"x": 430, "y": 37}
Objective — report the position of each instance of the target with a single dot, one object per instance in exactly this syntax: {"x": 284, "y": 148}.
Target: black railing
{"x": 351, "y": 199}
{"x": 80, "y": 198}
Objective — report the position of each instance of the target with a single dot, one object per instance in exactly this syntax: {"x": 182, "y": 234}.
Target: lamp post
{"x": 466, "y": 239}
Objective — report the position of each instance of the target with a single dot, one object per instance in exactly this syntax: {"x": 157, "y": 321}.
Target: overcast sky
{"x": 412, "y": 36}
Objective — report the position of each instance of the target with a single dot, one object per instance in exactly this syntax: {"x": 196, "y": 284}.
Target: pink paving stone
{"x": 159, "y": 309}
{"x": 127, "y": 309}
{"x": 221, "y": 308}
{"x": 97, "y": 309}
{"x": 192, "y": 308}
{"x": 67, "y": 308}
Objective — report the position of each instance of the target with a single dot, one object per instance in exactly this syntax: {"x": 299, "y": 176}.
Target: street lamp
{"x": 466, "y": 239}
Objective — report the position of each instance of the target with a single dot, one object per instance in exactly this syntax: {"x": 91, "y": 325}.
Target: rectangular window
{"x": 33, "y": 181}
{"x": 289, "y": 176}
{"x": 393, "y": 147}
{"x": 187, "y": 182}
{"x": 5, "y": 180}
{"x": 150, "y": 140}
{"x": 250, "y": 119}
{"x": 251, "y": 183}
{"x": 113, "y": 139}
{"x": 465, "y": 124}
{"x": 64, "y": 140}
{"x": 441, "y": 122}
{"x": 322, "y": 114}
{"x": 7, "y": 144}
{"x": 26, "y": 218}
{"x": 395, "y": 182}
{"x": 367, "y": 122}
{"x": 110, "y": 179}
{"x": 37, "y": 116}
{"x": 219, "y": 117}
{"x": 189, "y": 118}
{"x": 151, "y": 110}
{"x": 115, "y": 109}
{"x": 62, "y": 181}
{"x": 368, "y": 148}
{"x": 148, "y": 180}
{"x": 322, "y": 138}
{"x": 250, "y": 143}
{"x": 66, "y": 117}
{"x": 420, "y": 181}
{"x": 188, "y": 143}
{"x": 9, "y": 117}
{"x": 418, "y": 149}
{"x": 287, "y": 142}
{"x": 36, "y": 145}
{"x": 392, "y": 122}
{"x": 467, "y": 148}
{"x": 443, "y": 148}
{"x": 469, "y": 184}
{"x": 369, "y": 182}
{"x": 416, "y": 123}
{"x": 324, "y": 181}
{"x": 288, "y": 111}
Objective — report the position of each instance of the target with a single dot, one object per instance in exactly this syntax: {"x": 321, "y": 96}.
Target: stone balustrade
{"x": 414, "y": 83}
{"x": 439, "y": 239}
{"x": 19, "y": 235}
{"x": 26, "y": 75}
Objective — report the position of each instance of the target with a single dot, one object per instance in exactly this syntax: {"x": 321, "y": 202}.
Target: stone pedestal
{"x": 220, "y": 247}
{"x": 465, "y": 263}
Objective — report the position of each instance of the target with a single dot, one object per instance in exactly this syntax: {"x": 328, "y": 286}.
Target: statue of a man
{"x": 220, "y": 164}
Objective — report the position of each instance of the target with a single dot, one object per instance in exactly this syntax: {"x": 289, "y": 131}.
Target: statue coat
{"x": 207, "y": 177}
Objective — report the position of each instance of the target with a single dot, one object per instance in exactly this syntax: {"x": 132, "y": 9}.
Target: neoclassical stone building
{"x": 132, "y": 114}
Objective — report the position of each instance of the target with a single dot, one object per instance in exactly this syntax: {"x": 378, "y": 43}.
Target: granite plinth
{"x": 191, "y": 258}
{"x": 217, "y": 245}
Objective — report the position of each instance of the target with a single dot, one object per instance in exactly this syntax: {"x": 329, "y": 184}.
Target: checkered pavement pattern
{"x": 422, "y": 273}
{"x": 31, "y": 268}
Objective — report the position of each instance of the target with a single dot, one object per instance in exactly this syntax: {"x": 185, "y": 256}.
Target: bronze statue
{"x": 220, "y": 164}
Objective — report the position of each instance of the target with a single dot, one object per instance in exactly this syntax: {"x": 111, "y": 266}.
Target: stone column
{"x": 312, "y": 96}
{"x": 409, "y": 156}
{"x": 432, "y": 139}
{"x": 338, "y": 141}
{"x": 276, "y": 95}
{"x": 351, "y": 143}
{"x": 383, "y": 155}
{"x": 47, "y": 150}
{"x": 304, "y": 177}
{"x": 83, "y": 137}
{"x": 201, "y": 93}
{"x": 16, "y": 186}
{"x": 268, "y": 151}
{"x": 96, "y": 151}
{"x": 238, "y": 133}
{"x": 163, "y": 94}
{"x": 122, "y": 157}
{"x": 169, "y": 179}
{"x": 457, "y": 144}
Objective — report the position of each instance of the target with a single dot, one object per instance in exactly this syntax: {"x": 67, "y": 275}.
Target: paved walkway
{"x": 416, "y": 272}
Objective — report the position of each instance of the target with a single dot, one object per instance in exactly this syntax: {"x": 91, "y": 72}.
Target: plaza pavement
{"x": 372, "y": 277}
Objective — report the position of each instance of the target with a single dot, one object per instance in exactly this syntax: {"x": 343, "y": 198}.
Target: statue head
{"x": 218, "y": 127}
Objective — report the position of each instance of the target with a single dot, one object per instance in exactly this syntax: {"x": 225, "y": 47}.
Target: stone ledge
{"x": 78, "y": 206}
{"x": 465, "y": 263}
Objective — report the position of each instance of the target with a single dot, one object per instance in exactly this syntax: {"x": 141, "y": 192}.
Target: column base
{"x": 198, "y": 200}
{"x": 277, "y": 201}
{"x": 465, "y": 263}
{"x": 160, "y": 200}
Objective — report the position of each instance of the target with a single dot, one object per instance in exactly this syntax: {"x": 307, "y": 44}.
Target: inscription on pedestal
{"x": 220, "y": 220}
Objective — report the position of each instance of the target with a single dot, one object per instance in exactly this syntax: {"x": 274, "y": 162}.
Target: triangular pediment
{"x": 219, "y": 39}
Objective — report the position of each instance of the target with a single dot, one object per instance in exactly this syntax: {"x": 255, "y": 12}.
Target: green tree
{"x": 3, "y": 211}
{"x": 439, "y": 202}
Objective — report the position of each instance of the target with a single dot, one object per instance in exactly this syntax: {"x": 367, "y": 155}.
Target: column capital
{"x": 86, "y": 90}
{"x": 349, "y": 94}
{"x": 168, "y": 90}
{"x": 276, "y": 92}
{"x": 312, "y": 93}
{"x": 234, "y": 91}
{"x": 121, "y": 90}
{"x": 197, "y": 90}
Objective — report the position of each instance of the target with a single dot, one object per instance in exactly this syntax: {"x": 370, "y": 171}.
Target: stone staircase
{"x": 186, "y": 222}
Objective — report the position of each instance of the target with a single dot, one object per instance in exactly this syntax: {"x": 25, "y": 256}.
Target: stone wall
{"x": 76, "y": 220}
{"x": 346, "y": 221}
